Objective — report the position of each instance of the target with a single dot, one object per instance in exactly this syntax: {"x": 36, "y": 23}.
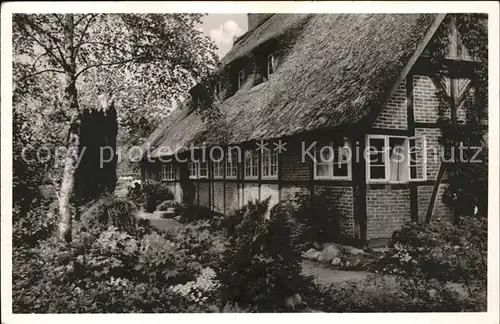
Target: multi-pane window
{"x": 241, "y": 78}
{"x": 251, "y": 164}
{"x": 332, "y": 161}
{"x": 272, "y": 64}
{"x": 193, "y": 170}
{"x": 269, "y": 164}
{"x": 198, "y": 170}
{"x": 167, "y": 171}
{"x": 395, "y": 159}
{"x": 218, "y": 164}
{"x": 202, "y": 170}
{"x": 232, "y": 164}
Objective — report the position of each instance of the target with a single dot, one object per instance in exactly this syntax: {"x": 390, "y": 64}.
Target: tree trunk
{"x": 70, "y": 104}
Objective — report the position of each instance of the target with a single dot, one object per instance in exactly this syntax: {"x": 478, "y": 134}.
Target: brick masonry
{"x": 441, "y": 211}
{"x": 387, "y": 210}
{"x": 345, "y": 205}
{"x": 394, "y": 113}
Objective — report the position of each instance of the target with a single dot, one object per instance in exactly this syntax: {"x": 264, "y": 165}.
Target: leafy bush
{"x": 111, "y": 211}
{"x": 439, "y": 250}
{"x": 318, "y": 217}
{"x": 150, "y": 194}
{"x": 168, "y": 204}
{"x": 426, "y": 258}
{"x": 193, "y": 213}
{"x": 263, "y": 268}
{"x": 34, "y": 225}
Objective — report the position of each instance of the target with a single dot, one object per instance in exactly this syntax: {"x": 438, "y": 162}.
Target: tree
{"x": 128, "y": 60}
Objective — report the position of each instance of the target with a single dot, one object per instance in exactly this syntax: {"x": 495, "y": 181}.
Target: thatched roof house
{"x": 301, "y": 74}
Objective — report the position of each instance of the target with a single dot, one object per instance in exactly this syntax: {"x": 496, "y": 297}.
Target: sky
{"x": 222, "y": 28}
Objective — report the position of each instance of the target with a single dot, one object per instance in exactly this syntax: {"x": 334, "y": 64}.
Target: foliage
{"x": 168, "y": 204}
{"x": 427, "y": 257}
{"x": 192, "y": 213}
{"x": 111, "y": 211}
{"x": 263, "y": 268}
{"x": 317, "y": 217}
{"x": 464, "y": 199}
{"x": 36, "y": 224}
{"x": 149, "y": 194}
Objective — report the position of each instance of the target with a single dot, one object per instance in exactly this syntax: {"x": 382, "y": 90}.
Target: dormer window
{"x": 241, "y": 78}
{"x": 217, "y": 90}
{"x": 272, "y": 64}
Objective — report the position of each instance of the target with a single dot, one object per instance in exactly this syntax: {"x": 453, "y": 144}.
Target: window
{"x": 251, "y": 164}
{"x": 193, "y": 170}
{"x": 202, "y": 170}
{"x": 198, "y": 170}
{"x": 332, "y": 162}
{"x": 241, "y": 78}
{"x": 269, "y": 164}
{"x": 272, "y": 64}
{"x": 218, "y": 164}
{"x": 217, "y": 90}
{"x": 395, "y": 159}
{"x": 167, "y": 171}
{"x": 232, "y": 164}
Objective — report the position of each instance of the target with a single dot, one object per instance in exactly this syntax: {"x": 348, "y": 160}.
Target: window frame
{"x": 387, "y": 167}
{"x": 270, "y": 63}
{"x": 190, "y": 164}
{"x": 231, "y": 164}
{"x": 254, "y": 158}
{"x": 330, "y": 175}
{"x": 240, "y": 83}
{"x": 217, "y": 90}
{"x": 270, "y": 164}
{"x": 218, "y": 165}
{"x": 165, "y": 172}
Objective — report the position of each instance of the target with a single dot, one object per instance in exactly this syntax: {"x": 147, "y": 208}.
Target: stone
{"x": 356, "y": 262}
{"x": 354, "y": 251}
{"x": 328, "y": 253}
{"x": 311, "y": 254}
{"x": 348, "y": 264}
{"x": 336, "y": 262}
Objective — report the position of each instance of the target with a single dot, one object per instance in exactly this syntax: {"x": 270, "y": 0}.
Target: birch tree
{"x": 144, "y": 60}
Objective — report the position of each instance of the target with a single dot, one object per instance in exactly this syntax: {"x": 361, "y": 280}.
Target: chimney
{"x": 255, "y": 19}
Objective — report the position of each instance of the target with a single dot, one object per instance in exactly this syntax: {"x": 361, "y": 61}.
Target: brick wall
{"x": 218, "y": 196}
{"x": 289, "y": 191}
{"x": 271, "y": 191}
{"x": 387, "y": 210}
{"x": 231, "y": 197}
{"x": 394, "y": 114}
{"x": 251, "y": 192}
{"x": 292, "y": 167}
{"x": 345, "y": 205}
{"x": 425, "y": 100}
{"x": 441, "y": 211}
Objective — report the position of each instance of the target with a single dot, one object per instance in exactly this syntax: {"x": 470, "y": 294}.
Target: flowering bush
{"x": 202, "y": 291}
{"x": 149, "y": 194}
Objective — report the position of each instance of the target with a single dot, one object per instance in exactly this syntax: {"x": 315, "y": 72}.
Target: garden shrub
{"x": 168, "y": 204}
{"x": 318, "y": 217}
{"x": 192, "y": 213}
{"x": 427, "y": 257}
{"x": 150, "y": 194}
{"x": 263, "y": 267}
{"x": 111, "y": 211}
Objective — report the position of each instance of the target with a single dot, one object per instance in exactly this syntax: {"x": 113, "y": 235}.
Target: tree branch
{"x": 105, "y": 64}
{"x": 40, "y": 72}
{"x": 85, "y": 28}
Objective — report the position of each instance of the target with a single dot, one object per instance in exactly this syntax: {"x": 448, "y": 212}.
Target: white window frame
{"x": 167, "y": 174}
{"x": 191, "y": 168}
{"x": 424, "y": 155}
{"x": 231, "y": 164}
{"x": 253, "y": 154}
{"x": 273, "y": 157}
{"x": 330, "y": 164}
{"x": 241, "y": 78}
{"x": 202, "y": 165}
{"x": 218, "y": 166}
{"x": 386, "y": 152}
{"x": 271, "y": 64}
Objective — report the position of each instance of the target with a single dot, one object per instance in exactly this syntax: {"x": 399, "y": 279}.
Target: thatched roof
{"x": 338, "y": 69}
